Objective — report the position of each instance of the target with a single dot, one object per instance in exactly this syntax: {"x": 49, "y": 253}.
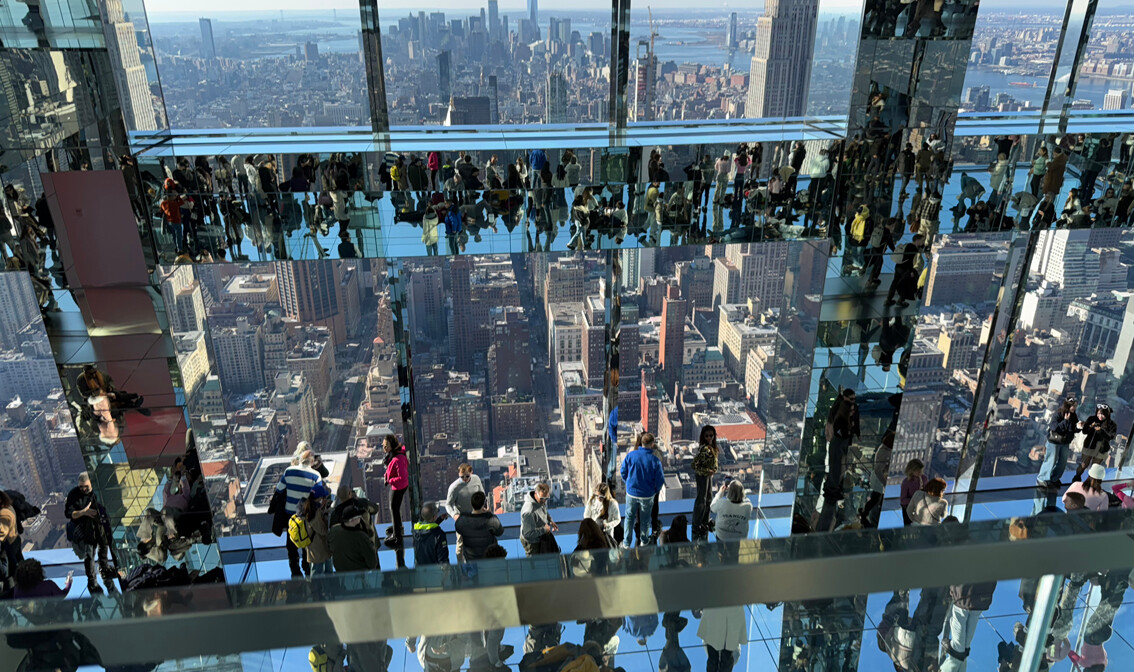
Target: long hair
{"x": 677, "y": 533}
{"x": 1093, "y": 484}
{"x": 591, "y": 537}
{"x": 712, "y": 444}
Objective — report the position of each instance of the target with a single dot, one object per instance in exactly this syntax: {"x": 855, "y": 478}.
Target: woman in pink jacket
{"x": 397, "y": 479}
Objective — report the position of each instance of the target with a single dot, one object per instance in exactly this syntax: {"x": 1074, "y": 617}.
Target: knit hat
{"x": 1097, "y": 471}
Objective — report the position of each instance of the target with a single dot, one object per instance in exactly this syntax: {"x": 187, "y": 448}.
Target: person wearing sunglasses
{"x": 459, "y": 500}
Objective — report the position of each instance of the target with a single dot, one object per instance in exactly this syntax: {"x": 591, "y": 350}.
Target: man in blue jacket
{"x": 642, "y": 474}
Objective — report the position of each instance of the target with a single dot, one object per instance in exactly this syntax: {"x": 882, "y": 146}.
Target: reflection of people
{"x": 968, "y": 604}
{"x": 723, "y": 630}
{"x": 841, "y": 430}
{"x": 88, "y": 533}
{"x": 928, "y": 505}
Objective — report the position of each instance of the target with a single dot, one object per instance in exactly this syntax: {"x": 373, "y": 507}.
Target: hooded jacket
{"x": 397, "y": 469}
{"x": 352, "y": 549}
{"x": 430, "y": 547}
{"x": 533, "y": 517}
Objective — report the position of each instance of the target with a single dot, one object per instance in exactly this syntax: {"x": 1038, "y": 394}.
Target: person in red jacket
{"x": 397, "y": 479}
{"x": 433, "y": 163}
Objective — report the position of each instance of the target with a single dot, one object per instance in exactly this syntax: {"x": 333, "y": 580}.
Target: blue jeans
{"x": 639, "y": 510}
{"x": 1054, "y": 461}
{"x": 959, "y": 628}
{"x": 325, "y": 567}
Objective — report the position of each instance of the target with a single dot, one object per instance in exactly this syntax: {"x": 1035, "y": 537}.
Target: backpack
{"x": 297, "y": 531}
{"x": 24, "y": 510}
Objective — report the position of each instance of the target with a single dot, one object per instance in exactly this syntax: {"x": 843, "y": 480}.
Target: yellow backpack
{"x": 297, "y": 531}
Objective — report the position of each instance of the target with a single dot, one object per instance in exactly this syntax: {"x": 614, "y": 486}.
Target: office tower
{"x": 494, "y": 19}
{"x": 733, "y": 39}
{"x": 461, "y": 339}
{"x": 310, "y": 51}
{"x": 18, "y": 308}
{"x": 444, "y": 62}
{"x": 978, "y": 97}
{"x": 1122, "y": 363}
{"x": 1116, "y": 99}
{"x": 637, "y": 263}
{"x": 963, "y": 272}
{"x": 133, "y": 86}
{"x": 27, "y": 461}
{"x": 184, "y": 301}
{"x": 239, "y": 354}
{"x": 208, "y": 46}
{"x": 643, "y": 83}
{"x": 494, "y": 100}
{"x": 781, "y": 65}
{"x": 556, "y": 99}
{"x": 293, "y": 397}
{"x": 533, "y": 12}
{"x": 671, "y": 346}
{"x": 309, "y": 294}
{"x": 921, "y": 405}
{"x": 509, "y": 355}
{"x": 751, "y": 271}
{"x": 472, "y": 111}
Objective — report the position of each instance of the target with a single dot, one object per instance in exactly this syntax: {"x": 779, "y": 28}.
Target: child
{"x": 915, "y": 480}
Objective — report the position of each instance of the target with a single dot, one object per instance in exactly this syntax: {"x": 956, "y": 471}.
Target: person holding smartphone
{"x": 30, "y": 582}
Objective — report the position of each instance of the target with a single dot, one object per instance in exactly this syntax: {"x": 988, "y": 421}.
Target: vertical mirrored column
{"x": 906, "y": 92}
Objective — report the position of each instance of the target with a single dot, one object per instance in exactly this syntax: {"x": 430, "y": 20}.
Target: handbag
{"x": 1057, "y": 438}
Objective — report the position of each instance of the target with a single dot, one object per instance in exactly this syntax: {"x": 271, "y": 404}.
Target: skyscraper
{"x": 208, "y": 47}
{"x": 309, "y": 293}
{"x": 671, "y": 345}
{"x": 133, "y": 86}
{"x": 1116, "y": 99}
{"x": 533, "y": 12}
{"x": 494, "y": 19}
{"x": 733, "y": 40}
{"x": 643, "y": 82}
{"x": 556, "y": 99}
{"x": 443, "y": 77}
{"x": 781, "y": 65}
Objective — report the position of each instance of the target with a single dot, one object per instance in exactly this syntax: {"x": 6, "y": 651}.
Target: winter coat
{"x": 642, "y": 473}
{"x": 352, "y": 549}
{"x": 605, "y": 514}
{"x": 478, "y": 531}
{"x": 973, "y": 597}
{"x": 430, "y": 547}
{"x": 319, "y": 550}
{"x": 533, "y": 517}
{"x": 397, "y": 470}
{"x": 1098, "y": 434}
{"x": 724, "y": 628}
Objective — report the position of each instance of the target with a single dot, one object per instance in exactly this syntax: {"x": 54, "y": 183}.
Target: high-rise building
{"x": 239, "y": 354}
{"x": 509, "y": 356}
{"x": 472, "y": 111}
{"x": 1116, "y": 99}
{"x": 444, "y": 85}
{"x": 733, "y": 40}
{"x": 671, "y": 346}
{"x": 294, "y": 398}
{"x": 494, "y": 98}
{"x": 781, "y": 64}
{"x": 311, "y": 51}
{"x": 533, "y": 12}
{"x": 309, "y": 293}
{"x": 556, "y": 99}
{"x": 133, "y": 85}
{"x": 208, "y": 46}
{"x": 494, "y": 19}
{"x": 643, "y": 84}
{"x": 18, "y": 308}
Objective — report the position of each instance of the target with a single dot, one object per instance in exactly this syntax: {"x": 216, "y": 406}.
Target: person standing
{"x": 723, "y": 630}
{"x": 1060, "y": 433}
{"x": 459, "y": 499}
{"x": 315, "y": 511}
{"x": 1098, "y": 431}
{"x": 915, "y": 480}
{"x": 642, "y": 473}
{"x": 705, "y": 464}
{"x": 477, "y": 530}
{"x": 351, "y": 545}
{"x": 430, "y": 546}
{"x": 397, "y": 479}
{"x": 89, "y": 534}
{"x": 299, "y": 481}
{"x": 964, "y": 615}
{"x": 841, "y": 431}
{"x": 536, "y": 524}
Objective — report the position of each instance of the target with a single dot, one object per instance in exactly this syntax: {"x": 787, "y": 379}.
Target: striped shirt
{"x": 300, "y": 482}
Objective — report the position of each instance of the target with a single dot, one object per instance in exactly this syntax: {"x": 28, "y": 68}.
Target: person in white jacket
{"x": 733, "y": 511}
{"x": 603, "y": 509}
{"x": 723, "y": 630}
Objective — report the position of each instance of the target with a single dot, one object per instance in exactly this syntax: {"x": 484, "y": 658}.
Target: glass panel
{"x": 489, "y": 65}
{"x": 271, "y": 65}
